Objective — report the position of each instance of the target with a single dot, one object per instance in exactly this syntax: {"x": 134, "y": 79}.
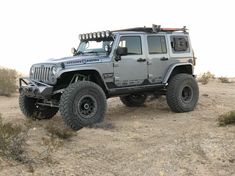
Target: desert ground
{"x": 147, "y": 141}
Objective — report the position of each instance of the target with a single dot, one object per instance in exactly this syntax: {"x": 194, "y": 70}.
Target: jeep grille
{"x": 42, "y": 74}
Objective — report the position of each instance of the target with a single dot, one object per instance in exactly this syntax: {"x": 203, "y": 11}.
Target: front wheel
{"x": 82, "y": 104}
{"x": 30, "y": 109}
{"x": 182, "y": 93}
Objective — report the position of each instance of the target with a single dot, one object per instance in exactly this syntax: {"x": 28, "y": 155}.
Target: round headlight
{"x": 103, "y": 34}
{"x": 31, "y": 71}
{"x": 53, "y": 70}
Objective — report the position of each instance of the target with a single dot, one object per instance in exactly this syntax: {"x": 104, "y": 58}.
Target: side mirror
{"x": 121, "y": 51}
{"x": 73, "y": 51}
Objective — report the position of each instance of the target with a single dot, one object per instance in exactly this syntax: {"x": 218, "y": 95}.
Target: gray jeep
{"x": 130, "y": 63}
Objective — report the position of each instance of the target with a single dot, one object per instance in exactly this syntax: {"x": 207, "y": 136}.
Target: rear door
{"x": 158, "y": 57}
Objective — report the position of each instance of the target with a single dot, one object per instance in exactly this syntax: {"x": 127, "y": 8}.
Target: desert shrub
{"x": 227, "y": 118}
{"x": 224, "y": 79}
{"x": 11, "y": 141}
{"x": 205, "y": 77}
{"x": 7, "y": 81}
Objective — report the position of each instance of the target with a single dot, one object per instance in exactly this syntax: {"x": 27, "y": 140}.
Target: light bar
{"x": 95, "y": 35}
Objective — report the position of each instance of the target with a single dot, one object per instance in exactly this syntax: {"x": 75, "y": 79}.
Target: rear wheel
{"x": 133, "y": 100}
{"x": 30, "y": 109}
{"x": 182, "y": 93}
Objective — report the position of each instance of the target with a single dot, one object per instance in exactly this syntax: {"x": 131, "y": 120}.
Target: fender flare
{"x": 172, "y": 68}
{"x": 82, "y": 69}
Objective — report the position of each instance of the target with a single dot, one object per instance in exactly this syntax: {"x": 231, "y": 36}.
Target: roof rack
{"x": 154, "y": 29}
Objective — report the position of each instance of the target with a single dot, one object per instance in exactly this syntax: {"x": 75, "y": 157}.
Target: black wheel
{"x": 30, "y": 109}
{"x": 182, "y": 93}
{"x": 82, "y": 104}
{"x": 133, "y": 100}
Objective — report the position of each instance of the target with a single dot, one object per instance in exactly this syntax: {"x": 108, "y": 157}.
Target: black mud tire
{"x": 182, "y": 93}
{"x": 133, "y": 100}
{"x": 83, "y": 104}
{"x": 33, "y": 111}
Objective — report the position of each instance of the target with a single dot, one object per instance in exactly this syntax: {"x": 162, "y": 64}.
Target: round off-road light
{"x": 87, "y": 36}
{"x": 83, "y": 36}
{"x": 94, "y": 35}
{"x": 98, "y": 34}
{"x": 103, "y": 34}
{"x": 90, "y": 35}
{"x": 107, "y": 33}
{"x": 80, "y": 36}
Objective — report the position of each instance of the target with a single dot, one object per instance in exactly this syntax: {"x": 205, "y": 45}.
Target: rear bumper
{"x": 34, "y": 88}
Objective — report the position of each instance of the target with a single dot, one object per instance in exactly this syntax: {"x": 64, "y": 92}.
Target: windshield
{"x": 98, "y": 47}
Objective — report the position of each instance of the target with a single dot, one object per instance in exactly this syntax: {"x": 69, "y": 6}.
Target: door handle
{"x": 164, "y": 59}
{"x": 141, "y": 60}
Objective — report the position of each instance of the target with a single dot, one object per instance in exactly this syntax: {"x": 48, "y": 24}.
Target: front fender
{"x": 76, "y": 69}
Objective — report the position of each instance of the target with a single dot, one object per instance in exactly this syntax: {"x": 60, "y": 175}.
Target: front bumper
{"x": 35, "y": 89}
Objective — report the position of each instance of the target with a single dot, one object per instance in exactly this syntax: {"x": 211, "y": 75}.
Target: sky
{"x": 32, "y": 31}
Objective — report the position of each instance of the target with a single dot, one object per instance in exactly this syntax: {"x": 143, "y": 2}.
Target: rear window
{"x": 156, "y": 44}
{"x": 180, "y": 44}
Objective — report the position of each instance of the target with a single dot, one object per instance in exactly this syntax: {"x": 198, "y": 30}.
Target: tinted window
{"x": 180, "y": 43}
{"x": 133, "y": 44}
{"x": 156, "y": 44}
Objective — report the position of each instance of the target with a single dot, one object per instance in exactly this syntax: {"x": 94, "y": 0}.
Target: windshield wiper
{"x": 80, "y": 52}
{"x": 92, "y": 52}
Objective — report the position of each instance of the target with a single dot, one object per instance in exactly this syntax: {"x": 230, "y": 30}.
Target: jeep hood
{"x": 77, "y": 60}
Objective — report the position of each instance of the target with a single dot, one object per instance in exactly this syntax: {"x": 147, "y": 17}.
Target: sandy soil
{"x": 150, "y": 140}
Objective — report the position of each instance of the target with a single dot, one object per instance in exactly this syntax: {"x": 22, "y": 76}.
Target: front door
{"x": 131, "y": 70}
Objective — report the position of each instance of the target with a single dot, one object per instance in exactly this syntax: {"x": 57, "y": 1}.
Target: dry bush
{"x": 224, "y": 79}
{"x": 205, "y": 77}
{"x": 8, "y": 81}
{"x": 12, "y": 140}
{"x": 227, "y": 118}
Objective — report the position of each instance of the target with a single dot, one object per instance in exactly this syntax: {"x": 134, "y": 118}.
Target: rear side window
{"x": 133, "y": 44}
{"x": 156, "y": 44}
{"x": 179, "y": 44}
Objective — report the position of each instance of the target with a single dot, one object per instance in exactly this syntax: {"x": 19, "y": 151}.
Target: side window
{"x": 133, "y": 44}
{"x": 180, "y": 43}
{"x": 156, "y": 44}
